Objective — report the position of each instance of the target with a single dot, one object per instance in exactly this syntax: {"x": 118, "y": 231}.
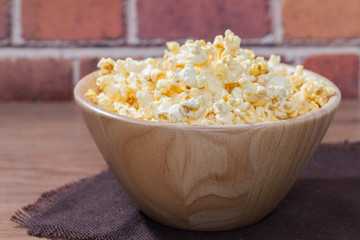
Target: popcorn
{"x": 188, "y": 74}
{"x": 106, "y": 66}
{"x": 207, "y": 83}
{"x": 197, "y": 54}
{"x": 193, "y": 108}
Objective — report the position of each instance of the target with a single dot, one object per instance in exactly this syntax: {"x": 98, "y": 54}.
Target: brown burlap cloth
{"x": 323, "y": 204}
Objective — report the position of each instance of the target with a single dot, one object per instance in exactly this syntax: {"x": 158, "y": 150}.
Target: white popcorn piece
{"x": 193, "y": 108}
{"x": 188, "y": 74}
{"x": 198, "y": 54}
{"x": 106, "y": 66}
{"x": 208, "y": 84}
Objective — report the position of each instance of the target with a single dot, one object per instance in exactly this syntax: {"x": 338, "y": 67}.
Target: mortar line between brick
{"x": 123, "y": 52}
{"x": 132, "y": 23}
{"x": 77, "y": 53}
{"x": 302, "y": 52}
{"x": 16, "y": 30}
{"x": 276, "y": 14}
{"x": 75, "y": 71}
{"x": 359, "y": 73}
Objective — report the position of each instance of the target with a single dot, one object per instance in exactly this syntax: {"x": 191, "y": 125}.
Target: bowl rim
{"x": 330, "y": 106}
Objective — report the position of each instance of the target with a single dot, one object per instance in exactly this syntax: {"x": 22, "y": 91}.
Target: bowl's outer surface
{"x": 205, "y": 177}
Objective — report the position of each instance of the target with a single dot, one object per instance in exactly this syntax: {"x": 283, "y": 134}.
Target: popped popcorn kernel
{"x": 91, "y": 94}
{"x": 207, "y": 83}
{"x": 106, "y": 66}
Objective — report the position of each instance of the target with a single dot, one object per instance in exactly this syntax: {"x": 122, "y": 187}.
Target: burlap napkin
{"x": 323, "y": 204}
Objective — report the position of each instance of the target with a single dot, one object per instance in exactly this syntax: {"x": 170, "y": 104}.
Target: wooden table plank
{"x": 42, "y": 146}
{"x": 46, "y": 145}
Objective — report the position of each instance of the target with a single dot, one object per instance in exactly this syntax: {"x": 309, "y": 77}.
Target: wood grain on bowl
{"x": 205, "y": 177}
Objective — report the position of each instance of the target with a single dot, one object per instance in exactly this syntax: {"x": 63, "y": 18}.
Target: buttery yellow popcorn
{"x": 203, "y": 83}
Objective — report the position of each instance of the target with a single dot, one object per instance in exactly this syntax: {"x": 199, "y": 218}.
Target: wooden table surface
{"x": 46, "y": 145}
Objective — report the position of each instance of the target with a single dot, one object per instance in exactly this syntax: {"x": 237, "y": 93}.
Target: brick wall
{"x": 47, "y": 46}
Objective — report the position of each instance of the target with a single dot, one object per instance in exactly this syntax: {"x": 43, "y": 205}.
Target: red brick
{"x": 88, "y": 65}
{"x": 4, "y": 18}
{"x": 321, "y": 19}
{"x": 343, "y": 70}
{"x": 202, "y": 18}
{"x": 41, "y": 79}
{"x": 72, "y": 19}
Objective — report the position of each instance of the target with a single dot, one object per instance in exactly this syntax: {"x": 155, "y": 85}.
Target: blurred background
{"x": 47, "y": 46}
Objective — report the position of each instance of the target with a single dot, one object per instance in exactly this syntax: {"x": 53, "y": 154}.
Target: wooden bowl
{"x": 205, "y": 177}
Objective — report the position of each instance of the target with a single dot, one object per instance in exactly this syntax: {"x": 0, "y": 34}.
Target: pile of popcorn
{"x": 207, "y": 83}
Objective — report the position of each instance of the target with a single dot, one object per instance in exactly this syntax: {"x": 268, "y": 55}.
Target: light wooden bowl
{"x": 205, "y": 177}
